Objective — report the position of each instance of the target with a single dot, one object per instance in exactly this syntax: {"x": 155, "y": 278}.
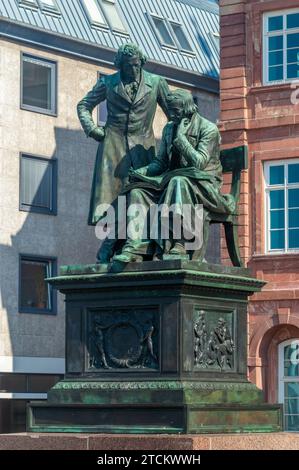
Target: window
{"x": 216, "y": 40}
{"x": 180, "y": 36}
{"x": 102, "y": 108}
{"x": 93, "y": 12}
{"x": 38, "y": 90}
{"x": 112, "y": 15}
{"x": 281, "y": 46}
{"x": 282, "y": 206}
{"x": 104, "y": 13}
{"x": 36, "y": 295}
{"x": 38, "y": 185}
{"x": 170, "y": 33}
{"x": 31, "y": 3}
{"x": 289, "y": 383}
{"x": 47, "y": 5}
{"x": 163, "y": 32}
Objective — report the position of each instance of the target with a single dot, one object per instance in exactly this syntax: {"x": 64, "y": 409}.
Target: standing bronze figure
{"x": 127, "y": 140}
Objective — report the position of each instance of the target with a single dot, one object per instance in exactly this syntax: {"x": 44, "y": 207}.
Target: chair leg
{"x": 199, "y": 255}
{"x": 232, "y": 243}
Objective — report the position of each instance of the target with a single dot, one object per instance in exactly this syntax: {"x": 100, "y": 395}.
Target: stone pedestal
{"x": 159, "y": 347}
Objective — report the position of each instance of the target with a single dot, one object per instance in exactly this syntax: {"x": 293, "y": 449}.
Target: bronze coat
{"x": 129, "y": 139}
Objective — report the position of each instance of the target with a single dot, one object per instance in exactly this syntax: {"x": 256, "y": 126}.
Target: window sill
{"x": 37, "y": 210}
{"x": 279, "y": 256}
{"x": 39, "y": 110}
{"x": 39, "y": 311}
{"x": 272, "y": 87}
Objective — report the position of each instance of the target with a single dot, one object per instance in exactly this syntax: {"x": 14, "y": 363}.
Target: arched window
{"x": 289, "y": 383}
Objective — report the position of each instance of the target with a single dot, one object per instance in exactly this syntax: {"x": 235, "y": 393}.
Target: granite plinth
{"x": 122, "y": 442}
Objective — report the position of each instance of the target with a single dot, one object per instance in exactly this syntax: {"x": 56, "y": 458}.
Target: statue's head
{"x": 180, "y": 105}
{"x": 130, "y": 60}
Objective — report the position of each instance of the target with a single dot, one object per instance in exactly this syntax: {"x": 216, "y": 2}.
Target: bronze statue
{"x": 187, "y": 170}
{"x": 127, "y": 140}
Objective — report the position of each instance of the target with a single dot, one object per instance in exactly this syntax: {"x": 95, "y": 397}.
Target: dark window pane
{"x": 277, "y": 199}
{"x": 294, "y": 238}
{"x": 293, "y": 197}
{"x": 292, "y": 56}
{"x": 180, "y": 35}
{"x": 293, "y": 71}
{"x": 293, "y": 20}
{"x": 293, "y": 170}
{"x": 37, "y": 83}
{"x": 292, "y": 406}
{"x": 162, "y": 28}
{"x": 276, "y": 174}
{"x": 277, "y": 219}
{"x": 291, "y": 369}
{"x": 291, "y": 390}
{"x": 294, "y": 218}
{"x": 293, "y": 40}
{"x": 276, "y": 58}
{"x": 291, "y": 351}
{"x": 275, "y": 73}
{"x": 292, "y": 422}
{"x": 36, "y": 182}
{"x": 276, "y": 43}
{"x": 35, "y": 293}
{"x": 277, "y": 239}
{"x": 275, "y": 23}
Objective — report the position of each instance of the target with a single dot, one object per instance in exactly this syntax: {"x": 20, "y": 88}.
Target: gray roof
{"x": 200, "y": 18}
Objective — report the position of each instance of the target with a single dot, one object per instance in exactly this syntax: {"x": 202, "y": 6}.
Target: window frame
{"x": 51, "y": 291}
{"x": 266, "y": 35}
{"x": 54, "y": 89}
{"x": 48, "y": 8}
{"x": 29, "y": 4}
{"x": 267, "y": 190}
{"x": 282, "y": 379}
{"x": 39, "y": 210}
{"x": 180, "y": 48}
{"x": 151, "y": 17}
{"x": 168, "y": 24}
{"x": 119, "y": 12}
{"x": 91, "y": 21}
{"x": 216, "y": 39}
{"x": 107, "y": 25}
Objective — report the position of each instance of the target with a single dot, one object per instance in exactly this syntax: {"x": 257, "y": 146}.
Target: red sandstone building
{"x": 260, "y": 108}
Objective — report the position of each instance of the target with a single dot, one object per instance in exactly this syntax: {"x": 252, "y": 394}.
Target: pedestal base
{"x": 157, "y": 348}
{"x": 127, "y": 442}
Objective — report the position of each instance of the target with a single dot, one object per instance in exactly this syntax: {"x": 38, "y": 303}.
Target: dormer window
{"x": 44, "y": 5}
{"x": 170, "y": 33}
{"x": 104, "y": 13}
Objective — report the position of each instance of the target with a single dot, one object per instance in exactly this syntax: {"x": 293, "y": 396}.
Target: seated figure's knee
{"x": 178, "y": 181}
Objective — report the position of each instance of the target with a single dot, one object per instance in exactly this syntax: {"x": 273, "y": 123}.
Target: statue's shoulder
{"x": 151, "y": 78}
{"x": 111, "y": 79}
{"x": 207, "y": 125}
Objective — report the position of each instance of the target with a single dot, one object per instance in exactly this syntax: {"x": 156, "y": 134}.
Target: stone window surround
{"x": 265, "y": 33}
{"x": 267, "y": 165}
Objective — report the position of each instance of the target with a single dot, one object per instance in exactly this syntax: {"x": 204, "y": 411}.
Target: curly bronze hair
{"x": 129, "y": 50}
